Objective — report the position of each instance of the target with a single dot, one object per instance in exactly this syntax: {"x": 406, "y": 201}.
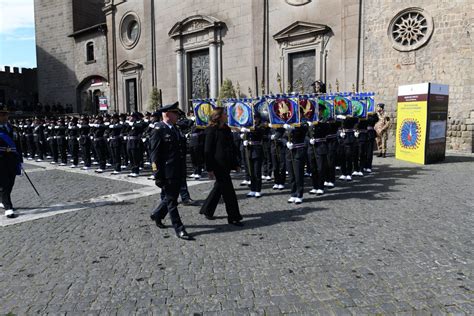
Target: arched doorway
{"x": 88, "y": 93}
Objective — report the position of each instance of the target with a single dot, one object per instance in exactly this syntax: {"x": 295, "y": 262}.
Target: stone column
{"x": 213, "y": 65}
{"x": 180, "y": 78}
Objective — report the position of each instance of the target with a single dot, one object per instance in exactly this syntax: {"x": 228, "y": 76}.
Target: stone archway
{"x": 88, "y": 91}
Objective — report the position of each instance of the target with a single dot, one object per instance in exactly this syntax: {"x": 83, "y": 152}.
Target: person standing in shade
{"x": 296, "y": 159}
{"x": 10, "y": 162}
{"x": 169, "y": 165}
{"x": 253, "y": 145}
{"x": 220, "y": 156}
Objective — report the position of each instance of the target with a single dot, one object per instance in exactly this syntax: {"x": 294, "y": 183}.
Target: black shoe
{"x": 158, "y": 222}
{"x": 211, "y": 218}
{"x": 379, "y": 155}
{"x": 384, "y": 155}
{"x": 184, "y": 235}
{"x": 188, "y": 202}
{"x": 237, "y": 223}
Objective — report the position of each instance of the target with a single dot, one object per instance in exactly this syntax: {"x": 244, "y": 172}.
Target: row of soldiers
{"x": 121, "y": 141}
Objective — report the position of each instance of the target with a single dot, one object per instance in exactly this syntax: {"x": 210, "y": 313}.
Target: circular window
{"x": 410, "y": 29}
{"x": 130, "y": 30}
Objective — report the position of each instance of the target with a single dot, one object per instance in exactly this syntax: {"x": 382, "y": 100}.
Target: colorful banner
{"x": 240, "y": 112}
{"x": 412, "y": 111}
{"x": 370, "y": 101}
{"x": 202, "y": 111}
{"x": 283, "y": 110}
{"x": 359, "y": 106}
{"x": 342, "y": 104}
{"x": 308, "y": 109}
{"x": 325, "y": 108}
{"x": 261, "y": 107}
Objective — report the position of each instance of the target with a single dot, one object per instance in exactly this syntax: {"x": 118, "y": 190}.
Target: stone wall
{"x": 55, "y": 52}
{"x": 87, "y": 13}
{"x": 447, "y": 59}
{"x": 18, "y": 87}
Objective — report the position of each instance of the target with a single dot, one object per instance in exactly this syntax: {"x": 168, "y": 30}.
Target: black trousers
{"x": 124, "y": 153}
{"x": 256, "y": 174}
{"x": 296, "y": 163}
{"x": 62, "y": 147}
{"x": 53, "y": 145}
{"x": 222, "y": 187}
{"x": 169, "y": 204}
{"x": 355, "y": 157}
{"x": 31, "y": 146}
{"x": 197, "y": 154}
{"x": 267, "y": 163}
{"x": 7, "y": 180}
{"x": 347, "y": 161}
{"x": 279, "y": 162}
{"x": 319, "y": 169}
{"x": 116, "y": 149}
{"x": 332, "y": 153}
{"x": 245, "y": 153}
{"x": 74, "y": 149}
{"x": 101, "y": 150}
{"x": 362, "y": 148}
{"x": 39, "y": 148}
{"x": 135, "y": 155}
{"x": 86, "y": 152}
{"x": 370, "y": 153}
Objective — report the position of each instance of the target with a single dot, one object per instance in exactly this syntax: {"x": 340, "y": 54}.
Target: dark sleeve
{"x": 210, "y": 148}
{"x": 155, "y": 141}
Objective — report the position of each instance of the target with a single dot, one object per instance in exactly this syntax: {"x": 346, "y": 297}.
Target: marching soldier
{"x": 10, "y": 161}
{"x": 134, "y": 144}
{"x": 61, "y": 130}
{"x": 125, "y": 129}
{"x": 381, "y": 128}
{"x": 371, "y": 135}
{"x": 332, "y": 144}
{"x": 100, "y": 145}
{"x": 296, "y": 156}
{"x": 169, "y": 164}
{"x": 318, "y": 153}
{"x": 30, "y": 140}
{"x": 267, "y": 166}
{"x": 196, "y": 149}
{"x": 53, "y": 144}
{"x": 73, "y": 139}
{"x": 253, "y": 144}
{"x": 116, "y": 143}
{"x": 278, "y": 154}
{"x": 38, "y": 138}
{"x": 362, "y": 140}
{"x": 85, "y": 142}
{"x": 347, "y": 142}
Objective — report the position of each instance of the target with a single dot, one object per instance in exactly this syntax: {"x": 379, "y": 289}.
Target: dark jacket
{"x": 168, "y": 152}
{"x": 220, "y": 153}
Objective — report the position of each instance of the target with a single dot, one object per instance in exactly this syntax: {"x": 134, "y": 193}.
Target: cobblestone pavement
{"x": 399, "y": 241}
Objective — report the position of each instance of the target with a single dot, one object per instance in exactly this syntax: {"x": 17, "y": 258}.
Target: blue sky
{"x": 17, "y": 34}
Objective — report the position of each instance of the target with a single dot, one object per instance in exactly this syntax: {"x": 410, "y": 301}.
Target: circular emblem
{"x": 409, "y": 134}
{"x": 240, "y": 113}
{"x": 357, "y": 108}
{"x": 340, "y": 105}
{"x": 324, "y": 110}
{"x": 262, "y": 108}
{"x": 283, "y": 109}
{"x": 307, "y": 109}
{"x": 410, "y": 29}
{"x": 204, "y": 112}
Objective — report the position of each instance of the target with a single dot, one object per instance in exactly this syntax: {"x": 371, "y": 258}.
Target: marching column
{"x": 296, "y": 157}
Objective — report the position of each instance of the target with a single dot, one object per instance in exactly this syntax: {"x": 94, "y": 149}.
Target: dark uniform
{"x": 332, "y": 144}
{"x": 73, "y": 139}
{"x": 38, "y": 137}
{"x": 30, "y": 141}
{"x": 52, "y": 141}
{"x": 10, "y": 163}
{"x": 362, "y": 139}
{"x": 318, "y": 153}
{"x": 100, "y": 145}
{"x": 278, "y": 148}
{"x": 135, "y": 144}
{"x": 254, "y": 149}
{"x": 115, "y": 141}
{"x": 347, "y": 142}
{"x": 267, "y": 163}
{"x": 169, "y": 164}
{"x": 371, "y": 135}
{"x": 196, "y": 149}
{"x": 61, "y": 130}
{"x": 85, "y": 142}
{"x": 296, "y": 158}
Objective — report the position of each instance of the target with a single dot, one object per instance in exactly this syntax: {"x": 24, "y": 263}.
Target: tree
{"x": 226, "y": 92}
{"x": 154, "y": 101}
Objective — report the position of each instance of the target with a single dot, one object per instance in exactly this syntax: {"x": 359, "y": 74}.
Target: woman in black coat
{"x": 220, "y": 157}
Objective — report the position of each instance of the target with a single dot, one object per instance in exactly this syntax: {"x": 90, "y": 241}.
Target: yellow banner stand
{"x": 422, "y": 113}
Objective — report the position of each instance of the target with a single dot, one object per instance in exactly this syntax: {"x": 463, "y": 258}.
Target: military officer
{"x": 381, "y": 128}
{"x": 10, "y": 162}
{"x": 168, "y": 158}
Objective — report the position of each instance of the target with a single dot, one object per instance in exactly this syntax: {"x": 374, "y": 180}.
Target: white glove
{"x": 243, "y": 130}
{"x": 270, "y": 125}
{"x": 356, "y": 134}
{"x": 242, "y": 136}
{"x": 312, "y": 141}
{"x": 144, "y": 140}
{"x": 341, "y": 117}
{"x": 246, "y": 143}
{"x": 289, "y": 145}
{"x": 287, "y": 126}
{"x": 342, "y": 134}
{"x": 273, "y": 137}
{"x": 130, "y": 123}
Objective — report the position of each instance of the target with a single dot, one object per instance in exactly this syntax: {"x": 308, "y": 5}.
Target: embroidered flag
{"x": 359, "y": 106}
{"x": 308, "y": 109}
{"x": 240, "y": 112}
{"x": 325, "y": 108}
{"x": 283, "y": 110}
{"x": 202, "y": 111}
{"x": 261, "y": 107}
{"x": 342, "y": 104}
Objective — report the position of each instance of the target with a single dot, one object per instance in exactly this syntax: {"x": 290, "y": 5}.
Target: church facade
{"x": 95, "y": 50}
